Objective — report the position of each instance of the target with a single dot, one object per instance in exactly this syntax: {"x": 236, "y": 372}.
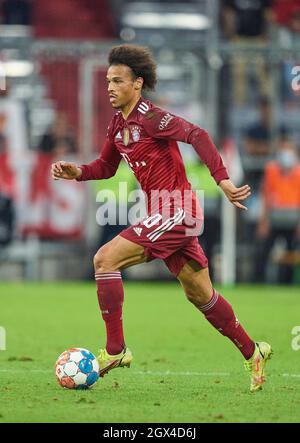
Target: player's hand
{"x": 235, "y": 195}
{"x": 66, "y": 170}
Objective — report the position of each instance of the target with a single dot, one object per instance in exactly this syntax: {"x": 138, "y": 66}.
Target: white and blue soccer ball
{"x": 77, "y": 368}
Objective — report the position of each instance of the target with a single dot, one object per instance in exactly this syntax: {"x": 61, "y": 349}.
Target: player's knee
{"x": 197, "y": 295}
{"x": 103, "y": 261}
{"x": 196, "y": 298}
{"x": 191, "y": 296}
{"x": 98, "y": 260}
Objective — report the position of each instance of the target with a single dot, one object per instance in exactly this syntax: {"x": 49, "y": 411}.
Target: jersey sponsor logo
{"x": 132, "y": 163}
{"x": 135, "y": 132}
{"x": 143, "y": 108}
{"x": 138, "y": 231}
{"x": 118, "y": 136}
{"x": 165, "y": 121}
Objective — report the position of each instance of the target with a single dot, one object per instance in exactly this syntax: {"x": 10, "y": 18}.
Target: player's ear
{"x": 139, "y": 81}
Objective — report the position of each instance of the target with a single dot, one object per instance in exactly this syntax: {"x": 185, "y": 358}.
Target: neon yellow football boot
{"x": 108, "y": 362}
{"x": 256, "y": 365}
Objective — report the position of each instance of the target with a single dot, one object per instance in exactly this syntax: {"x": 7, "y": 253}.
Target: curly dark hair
{"x": 139, "y": 59}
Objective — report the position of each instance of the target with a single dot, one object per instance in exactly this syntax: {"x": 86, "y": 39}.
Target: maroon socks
{"x": 220, "y": 314}
{"x": 217, "y": 311}
{"x": 111, "y": 297}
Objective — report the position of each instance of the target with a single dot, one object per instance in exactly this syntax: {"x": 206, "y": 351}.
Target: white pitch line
{"x": 290, "y": 375}
{"x": 153, "y": 373}
{"x": 185, "y": 373}
{"x": 203, "y": 374}
{"x": 19, "y": 371}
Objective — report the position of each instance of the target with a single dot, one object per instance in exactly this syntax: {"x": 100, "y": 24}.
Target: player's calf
{"x": 215, "y": 308}
{"x": 108, "y": 261}
{"x": 196, "y": 284}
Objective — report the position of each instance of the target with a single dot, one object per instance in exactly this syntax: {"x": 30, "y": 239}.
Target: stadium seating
{"x": 86, "y": 19}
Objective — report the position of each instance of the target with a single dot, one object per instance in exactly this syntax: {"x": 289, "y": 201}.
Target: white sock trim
{"x": 108, "y": 275}
{"x": 211, "y": 303}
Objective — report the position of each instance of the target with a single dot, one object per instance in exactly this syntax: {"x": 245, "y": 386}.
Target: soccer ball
{"x": 77, "y": 368}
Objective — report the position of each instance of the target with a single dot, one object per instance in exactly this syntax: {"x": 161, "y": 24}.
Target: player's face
{"x": 122, "y": 87}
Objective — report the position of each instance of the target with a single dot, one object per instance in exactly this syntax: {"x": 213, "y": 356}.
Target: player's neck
{"x": 129, "y": 107}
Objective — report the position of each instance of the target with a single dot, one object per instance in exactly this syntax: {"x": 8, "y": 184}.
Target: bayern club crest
{"x": 135, "y": 131}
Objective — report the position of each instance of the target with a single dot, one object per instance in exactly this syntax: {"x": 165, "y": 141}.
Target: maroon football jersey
{"x": 147, "y": 142}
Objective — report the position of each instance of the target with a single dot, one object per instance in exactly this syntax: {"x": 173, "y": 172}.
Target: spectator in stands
{"x": 286, "y": 18}
{"x": 59, "y": 132}
{"x": 16, "y": 12}
{"x": 6, "y": 219}
{"x": 64, "y": 149}
{"x": 257, "y": 144}
{"x": 6, "y": 200}
{"x": 244, "y": 23}
{"x": 286, "y": 14}
{"x": 295, "y": 22}
{"x": 2, "y": 133}
{"x": 280, "y": 208}
{"x": 6, "y": 173}
{"x": 257, "y": 140}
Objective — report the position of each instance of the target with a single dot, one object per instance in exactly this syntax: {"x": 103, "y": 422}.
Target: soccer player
{"x": 146, "y": 136}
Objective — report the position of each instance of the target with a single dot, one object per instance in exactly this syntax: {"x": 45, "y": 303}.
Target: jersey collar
{"x": 132, "y": 112}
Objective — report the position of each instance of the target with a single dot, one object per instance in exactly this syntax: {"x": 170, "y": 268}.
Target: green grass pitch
{"x": 183, "y": 369}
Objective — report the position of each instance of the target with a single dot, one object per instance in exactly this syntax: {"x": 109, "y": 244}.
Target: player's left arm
{"x": 162, "y": 124}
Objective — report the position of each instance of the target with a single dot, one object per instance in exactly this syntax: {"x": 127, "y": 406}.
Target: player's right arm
{"x": 65, "y": 170}
{"x": 103, "y": 167}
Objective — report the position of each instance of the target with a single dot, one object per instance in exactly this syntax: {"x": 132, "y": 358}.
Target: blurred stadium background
{"x": 229, "y": 66}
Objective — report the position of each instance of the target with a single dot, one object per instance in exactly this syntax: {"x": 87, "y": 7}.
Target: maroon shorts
{"x": 167, "y": 240}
